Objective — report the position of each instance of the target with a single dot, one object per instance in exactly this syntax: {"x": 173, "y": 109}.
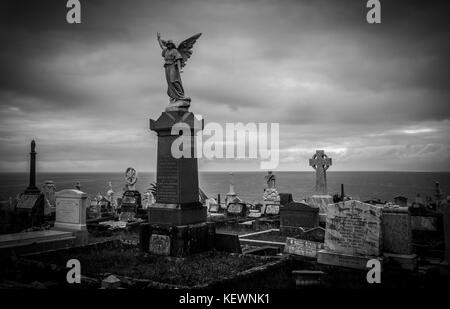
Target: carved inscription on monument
{"x": 67, "y": 211}
{"x": 160, "y": 244}
{"x": 167, "y": 181}
{"x": 302, "y": 247}
{"x": 354, "y": 227}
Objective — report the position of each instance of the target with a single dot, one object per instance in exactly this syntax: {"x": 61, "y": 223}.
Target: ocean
{"x": 250, "y": 185}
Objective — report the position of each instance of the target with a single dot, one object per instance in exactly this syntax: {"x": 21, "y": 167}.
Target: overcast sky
{"x": 374, "y": 97}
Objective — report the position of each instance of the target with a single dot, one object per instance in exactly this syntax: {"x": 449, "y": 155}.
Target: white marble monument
{"x": 71, "y": 210}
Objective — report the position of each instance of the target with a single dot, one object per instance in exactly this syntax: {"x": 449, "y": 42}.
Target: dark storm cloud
{"x": 375, "y": 92}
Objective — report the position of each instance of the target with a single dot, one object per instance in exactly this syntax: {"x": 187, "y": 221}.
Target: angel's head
{"x": 170, "y": 44}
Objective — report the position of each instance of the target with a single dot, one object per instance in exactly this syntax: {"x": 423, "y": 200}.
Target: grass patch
{"x": 198, "y": 269}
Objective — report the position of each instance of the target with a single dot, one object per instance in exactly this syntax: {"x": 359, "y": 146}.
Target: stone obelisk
{"x": 31, "y": 189}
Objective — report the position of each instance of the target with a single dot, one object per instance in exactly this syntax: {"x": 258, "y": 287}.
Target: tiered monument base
{"x": 162, "y": 214}
{"x": 178, "y": 241}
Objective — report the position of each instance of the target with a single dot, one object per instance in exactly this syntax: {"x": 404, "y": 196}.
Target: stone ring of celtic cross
{"x": 130, "y": 175}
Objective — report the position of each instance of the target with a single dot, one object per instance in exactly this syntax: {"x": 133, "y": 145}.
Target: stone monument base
{"x": 176, "y": 215}
{"x": 321, "y": 201}
{"x": 177, "y": 241}
{"x": 345, "y": 260}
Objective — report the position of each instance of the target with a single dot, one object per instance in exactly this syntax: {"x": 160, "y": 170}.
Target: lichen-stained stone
{"x": 354, "y": 227}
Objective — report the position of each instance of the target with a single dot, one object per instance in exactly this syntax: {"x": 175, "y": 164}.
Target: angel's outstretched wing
{"x": 164, "y": 43}
{"x": 185, "y": 48}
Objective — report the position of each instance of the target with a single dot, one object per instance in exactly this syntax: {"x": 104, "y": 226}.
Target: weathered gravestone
{"x": 320, "y": 201}
{"x": 237, "y": 209}
{"x": 353, "y": 234}
{"x": 297, "y": 215}
{"x": 307, "y": 243}
{"x": 272, "y": 209}
{"x": 397, "y": 238}
{"x": 131, "y": 199}
{"x": 71, "y": 213}
{"x": 302, "y": 247}
{"x": 49, "y": 189}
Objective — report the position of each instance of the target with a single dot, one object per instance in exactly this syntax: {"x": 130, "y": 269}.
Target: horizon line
{"x": 230, "y": 171}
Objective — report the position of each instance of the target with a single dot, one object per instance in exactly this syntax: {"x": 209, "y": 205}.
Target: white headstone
{"x": 71, "y": 210}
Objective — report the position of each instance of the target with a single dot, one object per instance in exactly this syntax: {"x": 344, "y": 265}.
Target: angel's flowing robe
{"x": 175, "y": 89}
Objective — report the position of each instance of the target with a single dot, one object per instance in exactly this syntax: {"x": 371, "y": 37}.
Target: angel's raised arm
{"x": 161, "y": 44}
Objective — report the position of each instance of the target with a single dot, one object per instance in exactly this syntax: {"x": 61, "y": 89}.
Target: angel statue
{"x": 174, "y": 60}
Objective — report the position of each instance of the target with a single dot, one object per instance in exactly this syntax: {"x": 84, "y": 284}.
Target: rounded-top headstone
{"x": 71, "y": 193}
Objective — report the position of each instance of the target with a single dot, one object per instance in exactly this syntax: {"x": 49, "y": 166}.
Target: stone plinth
{"x": 321, "y": 201}
{"x": 177, "y": 241}
{"x": 177, "y": 196}
{"x": 177, "y": 221}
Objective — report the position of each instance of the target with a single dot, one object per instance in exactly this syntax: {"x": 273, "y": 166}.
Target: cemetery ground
{"x": 114, "y": 259}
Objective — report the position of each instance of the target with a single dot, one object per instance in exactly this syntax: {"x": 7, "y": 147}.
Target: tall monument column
{"x": 177, "y": 221}
{"x": 32, "y": 184}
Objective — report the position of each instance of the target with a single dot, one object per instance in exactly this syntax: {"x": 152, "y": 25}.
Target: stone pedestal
{"x": 320, "y": 201}
{"x": 177, "y": 241}
{"x": 177, "y": 221}
{"x": 177, "y": 201}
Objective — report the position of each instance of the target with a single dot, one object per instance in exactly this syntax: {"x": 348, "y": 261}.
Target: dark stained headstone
{"x": 296, "y": 215}
{"x": 401, "y": 201}
{"x": 131, "y": 202}
{"x": 285, "y": 198}
{"x": 228, "y": 242}
{"x": 397, "y": 232}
